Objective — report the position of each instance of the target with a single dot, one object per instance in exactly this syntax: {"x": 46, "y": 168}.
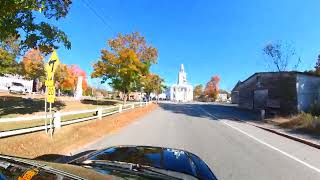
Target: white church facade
{"x": 182, "y": 91}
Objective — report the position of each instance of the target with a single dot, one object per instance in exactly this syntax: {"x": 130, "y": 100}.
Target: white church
{"x": 182, "y": 91}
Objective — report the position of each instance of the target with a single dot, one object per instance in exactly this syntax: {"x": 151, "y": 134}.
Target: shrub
{"x": 315, "y": 110}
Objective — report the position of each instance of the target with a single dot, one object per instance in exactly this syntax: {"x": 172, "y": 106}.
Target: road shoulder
{"x": 69, "y": 138}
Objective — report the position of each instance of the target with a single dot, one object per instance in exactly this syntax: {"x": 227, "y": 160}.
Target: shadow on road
{"x": 218, "y": 110}
{"x": 224, "y": 111}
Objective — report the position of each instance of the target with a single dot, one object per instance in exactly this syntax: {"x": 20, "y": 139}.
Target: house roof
{"x": 284, "y": 72}
{"x": 236, "y": 86}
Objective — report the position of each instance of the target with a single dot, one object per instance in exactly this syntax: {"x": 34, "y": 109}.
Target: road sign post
{"x": 50, "y": 68}
{"x": 45, "y": 110}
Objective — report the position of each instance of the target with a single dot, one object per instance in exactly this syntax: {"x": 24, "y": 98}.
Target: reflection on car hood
{"x": 157, "y": 157}
{"x": 11, "y": 167}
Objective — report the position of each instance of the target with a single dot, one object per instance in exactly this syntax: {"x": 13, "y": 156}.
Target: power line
{"x": 98, "y": 15}
{"x": 101, "y": 10}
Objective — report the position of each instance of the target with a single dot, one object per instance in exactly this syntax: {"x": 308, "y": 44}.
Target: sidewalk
{"x": 291, "y": 133}
{"x": 253, "y": 118}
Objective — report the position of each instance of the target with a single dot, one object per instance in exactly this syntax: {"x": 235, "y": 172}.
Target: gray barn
{"x": 288, "y": 92}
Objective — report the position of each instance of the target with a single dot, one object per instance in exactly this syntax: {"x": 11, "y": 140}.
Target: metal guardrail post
{"x": 99, "y": 110}
{"x": 57, "y": 120}
{"x": 132, "y": 106}
{"x": 141, "y": 104}
{"x": 120, "y": 108}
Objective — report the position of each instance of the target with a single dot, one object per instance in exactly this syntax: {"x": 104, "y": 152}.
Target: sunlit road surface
{"x": 233, "y": 150}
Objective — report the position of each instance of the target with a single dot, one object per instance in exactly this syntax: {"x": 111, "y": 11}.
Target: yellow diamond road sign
{"x": 49, "y": 82}
{"x": 52, "y": 64}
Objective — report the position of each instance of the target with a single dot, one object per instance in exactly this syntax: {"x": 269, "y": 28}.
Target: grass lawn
{"x": 33, "y": 123}
{"x": 18, "y": 106}
{"x": 21, "y": 105}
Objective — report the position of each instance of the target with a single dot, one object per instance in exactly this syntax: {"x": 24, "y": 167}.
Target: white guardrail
{"x": 58, "y": 122}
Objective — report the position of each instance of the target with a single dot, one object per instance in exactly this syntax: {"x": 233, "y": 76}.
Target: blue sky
{"x": 210, "y": 37}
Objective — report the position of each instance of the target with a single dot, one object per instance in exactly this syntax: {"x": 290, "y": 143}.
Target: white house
{"x": 222, "y": 97}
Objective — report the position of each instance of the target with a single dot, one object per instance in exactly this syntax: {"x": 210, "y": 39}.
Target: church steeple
{"x": 181, "y": 68}
{"x": 182, "y": 76}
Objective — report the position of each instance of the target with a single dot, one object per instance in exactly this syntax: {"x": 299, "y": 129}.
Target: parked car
{"x": 121, "y": 162}
{"x": 17, "y": 88}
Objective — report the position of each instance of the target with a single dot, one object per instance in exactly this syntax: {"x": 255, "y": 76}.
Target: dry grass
{"x": 69, "y": 138}
{"x": 303, "y": 122}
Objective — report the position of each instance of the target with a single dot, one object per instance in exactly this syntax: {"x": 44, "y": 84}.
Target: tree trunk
{"x": 124, "y": 98}
{"x": 34, "y": 85}
{"x": 148, "y": 97}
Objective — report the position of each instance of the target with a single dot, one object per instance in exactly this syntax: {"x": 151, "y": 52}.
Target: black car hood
{"x": 158, "y": 157}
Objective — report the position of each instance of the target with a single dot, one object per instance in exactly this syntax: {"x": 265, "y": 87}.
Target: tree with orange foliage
{"x": 212, "y": 88}
{"x": 125, "y": 62}
{"x": 61, "y": 75}
{"x": 33, "y": 65}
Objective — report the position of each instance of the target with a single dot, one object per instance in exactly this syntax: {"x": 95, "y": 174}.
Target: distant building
{"x": 161, "y": 96}
{"x": 182, "y": 91}
{"x": 222, "y": 97}
{"x": 7, "y": 80}
{"x": 287, "y": 92}
{"x": 133, "y": 96}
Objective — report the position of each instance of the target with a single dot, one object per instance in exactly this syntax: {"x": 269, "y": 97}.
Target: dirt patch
{"x": 69, "y": 138}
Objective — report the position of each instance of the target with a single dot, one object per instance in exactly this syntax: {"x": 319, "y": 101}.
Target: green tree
{"x": 153, "y": 83}
{"x": 197, "y": 91}
{"x": 9, "y": 50}
{"x": 126, "y": 61}
{"x": 18, "y": 19}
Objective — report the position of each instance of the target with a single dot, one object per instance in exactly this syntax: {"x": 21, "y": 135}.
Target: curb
{"x": 304, "y": 141}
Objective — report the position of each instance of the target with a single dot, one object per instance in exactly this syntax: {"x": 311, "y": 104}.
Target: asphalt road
{"x": 233, "y": 150}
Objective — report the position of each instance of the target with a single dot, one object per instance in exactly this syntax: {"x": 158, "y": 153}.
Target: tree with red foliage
{"x": 67, "y": 77}
{"x": 76, "y": 71}
{"x": 212, "y": 88}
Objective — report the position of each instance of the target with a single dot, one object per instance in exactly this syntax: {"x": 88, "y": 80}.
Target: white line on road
{"x": 264, "y": 143}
